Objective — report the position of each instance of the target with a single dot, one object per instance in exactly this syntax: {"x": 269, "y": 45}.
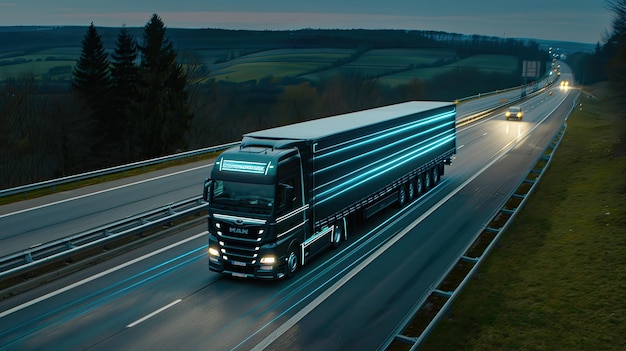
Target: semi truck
{"x": 285, "y": 194}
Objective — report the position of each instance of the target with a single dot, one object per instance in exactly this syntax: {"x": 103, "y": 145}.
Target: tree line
{"x": 608, "y": 61}
{"x": 143, "y": 100}
{"x": 138, "y": 110}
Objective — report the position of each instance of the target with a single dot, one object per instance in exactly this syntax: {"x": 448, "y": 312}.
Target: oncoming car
{"x": 514, "y": 112}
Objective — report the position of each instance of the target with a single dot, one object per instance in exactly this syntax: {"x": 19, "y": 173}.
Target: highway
{"x": 162, "y": 296}
{"x": 33, "y": 222}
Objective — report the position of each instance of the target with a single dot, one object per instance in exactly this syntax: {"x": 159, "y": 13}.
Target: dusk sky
{"x": 584, "y": 21}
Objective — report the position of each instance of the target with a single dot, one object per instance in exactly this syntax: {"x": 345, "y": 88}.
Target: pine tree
{"x": 617, "y": 50}
{"x": 92, "y": 83}
{"x": 125, "y": 79}
{"x": 163, "y": 99}
{"x": 91, "y": 74}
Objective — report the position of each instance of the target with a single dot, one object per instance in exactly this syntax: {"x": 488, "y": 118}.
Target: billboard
{"x": 531, "y": 69}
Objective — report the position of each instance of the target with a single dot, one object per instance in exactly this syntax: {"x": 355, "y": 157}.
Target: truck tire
{"x": 411, "y": 190}
{"x": 339, "y": 233}
{"x": 419, "y": 184}
{"x": 402, "y": 195}
{"x": 427, "y": 180}
{"x": 435, "y": 175}
{"x": 293, "y": 261}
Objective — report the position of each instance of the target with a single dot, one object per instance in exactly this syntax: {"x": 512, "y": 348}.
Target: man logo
{"x": 238, "y": 231}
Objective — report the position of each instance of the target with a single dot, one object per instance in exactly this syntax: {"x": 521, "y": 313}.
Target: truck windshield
{"x": 255, "y": 198}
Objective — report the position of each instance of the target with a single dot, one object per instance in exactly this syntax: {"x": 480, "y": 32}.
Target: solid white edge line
{"x": 313, "y": 304}
{"x": 99, "y": 275}
{"x": 153, "y": 313}
{"x": 101, "y": 191}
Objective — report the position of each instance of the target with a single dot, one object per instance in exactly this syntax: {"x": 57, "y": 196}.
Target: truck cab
{"x": 255, "y": 201}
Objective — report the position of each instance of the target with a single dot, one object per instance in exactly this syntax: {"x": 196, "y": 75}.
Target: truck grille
{"x": 240, "y": 243}
{"x": 240, "y": 252}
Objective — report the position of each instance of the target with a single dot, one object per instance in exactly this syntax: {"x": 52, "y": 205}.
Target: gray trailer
{"x": 285, "y": 194}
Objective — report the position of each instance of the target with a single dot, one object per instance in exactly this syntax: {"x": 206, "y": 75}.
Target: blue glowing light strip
{"x": 245, "y": 167}
{"x": 394, "y": 157}
{"x": 388, "y": 132}
{"x": 399, "y": 141}
{"x": 384, "y": 168}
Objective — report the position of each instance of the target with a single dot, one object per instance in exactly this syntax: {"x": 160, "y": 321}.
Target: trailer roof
{"x": 319, "y": 128}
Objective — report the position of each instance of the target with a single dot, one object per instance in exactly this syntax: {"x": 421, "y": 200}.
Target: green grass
{"x": 486, "y": 63}
{"x": 379, "y": 62}
{"x": 374, "y": 61}
{"x": 39, "y": 63}
{"x": 277, "y": 63}
{"x": 557, "y": 280}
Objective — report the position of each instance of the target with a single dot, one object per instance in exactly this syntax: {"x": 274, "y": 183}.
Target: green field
{"x": 486, "y": 63}
{"x": 391, "y": 66}
{"x": 40, "y": 63}
{"x": 556, "y": 281}
{"x": 278, "y": 63}
{"x": 384, "y": 63}
{"x": 379, "y": 62}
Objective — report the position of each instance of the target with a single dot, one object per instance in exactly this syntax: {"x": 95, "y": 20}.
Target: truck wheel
{"x": 293, "y": 261}
{"x": 338, "y": 234}
{"x": 411, "y": 186}
{"x": 435, "y": 175}
{"x": 419, "y": 184}
{"x": 427, "y": 182}
{"x": 402, "y": 195}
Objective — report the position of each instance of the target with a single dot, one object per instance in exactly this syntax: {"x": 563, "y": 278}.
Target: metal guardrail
{"x": 40, "y": 255}
{"x": 117, "y": 169}
{"x": 509, "y": 211}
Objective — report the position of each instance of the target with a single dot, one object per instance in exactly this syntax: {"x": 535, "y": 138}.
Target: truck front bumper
{"x": 233, "y": 269}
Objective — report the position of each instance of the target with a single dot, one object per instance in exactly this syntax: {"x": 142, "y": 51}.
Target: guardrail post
{"x": 28, "y": 257}
{"x": 69, "y": 245}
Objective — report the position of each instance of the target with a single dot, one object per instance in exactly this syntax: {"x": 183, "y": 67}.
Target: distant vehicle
{"x": 514, "y": 112}
{"x": 287, "y": 193}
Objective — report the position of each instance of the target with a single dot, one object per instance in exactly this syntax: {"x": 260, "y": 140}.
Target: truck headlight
{"x": 268, "y": 259}
{"x": 213, "y": 251}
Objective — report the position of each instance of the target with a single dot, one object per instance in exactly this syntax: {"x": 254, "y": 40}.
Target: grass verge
{"x": 557, "y": 279}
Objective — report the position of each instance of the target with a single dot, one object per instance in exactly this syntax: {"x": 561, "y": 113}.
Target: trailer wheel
{"x": 436, "y": 175}
{"x": 419, "y": 184}
{"x": 402, "y": 195}
{"x": 427, "y": 182}
{"x": 411, "y": 186}
{"x": 293, "y": 261}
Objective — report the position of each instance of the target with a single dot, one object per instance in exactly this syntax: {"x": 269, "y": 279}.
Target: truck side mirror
{"x": 286, "y": 197}
{"x": 288, "y": 194}
{"x": 205, "y": 191}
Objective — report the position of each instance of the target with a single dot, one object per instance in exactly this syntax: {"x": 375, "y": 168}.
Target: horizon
{"x": 577, "y": 21}
{"x": 52, "y": 27}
